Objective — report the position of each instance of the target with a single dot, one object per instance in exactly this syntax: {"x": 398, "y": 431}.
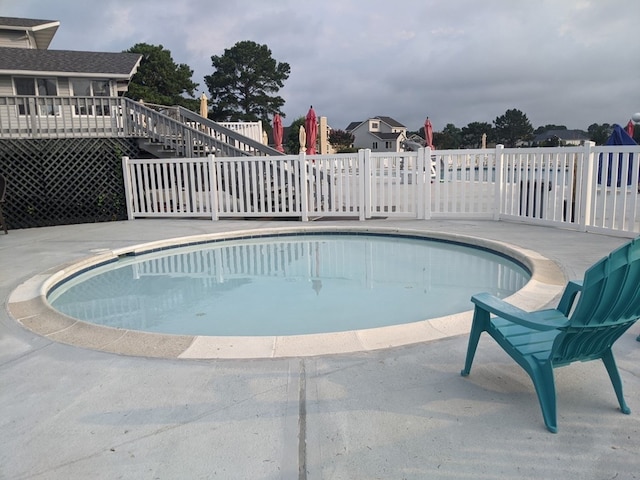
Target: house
{"x": 379, "y": 134}
{"x": 58, "y": 94}
{"x": 560, "y": 138}
{"x": 65, "y": 125}
{"x": 33, "y": 75}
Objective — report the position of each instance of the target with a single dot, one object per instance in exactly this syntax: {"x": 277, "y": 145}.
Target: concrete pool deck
{"x": 400, "y": 412}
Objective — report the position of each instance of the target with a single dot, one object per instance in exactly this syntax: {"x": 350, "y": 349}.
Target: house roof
{"x": 388, "y": 120}
{"x": 570, "y": 135}
{"x": 353, "y": 125}
{"x": 386, "y": 136}
{"x": 42, "y": 31}
{"x": 28, "y": 61}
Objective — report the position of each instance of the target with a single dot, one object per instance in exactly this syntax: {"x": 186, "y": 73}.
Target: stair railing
{"x": 189, "y": 134}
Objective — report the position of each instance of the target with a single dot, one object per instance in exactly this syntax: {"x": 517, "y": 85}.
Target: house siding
{"x": 14, "y": 39}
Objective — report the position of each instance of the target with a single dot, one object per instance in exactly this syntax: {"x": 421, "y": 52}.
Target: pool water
{"x": 287, "y": 285}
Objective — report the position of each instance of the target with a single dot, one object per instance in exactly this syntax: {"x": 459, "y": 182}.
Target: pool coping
{"x": 28, "y": 306}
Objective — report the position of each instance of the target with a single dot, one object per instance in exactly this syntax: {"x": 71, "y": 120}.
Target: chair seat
{"x": 526, "y": 341}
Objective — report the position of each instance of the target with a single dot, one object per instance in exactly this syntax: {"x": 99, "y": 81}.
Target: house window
{"x": 387, "y": 144}
{"x": 375, "y": 145}
{"x": 40, "y": 87}
{"x": 375, "y": 125}
{"x": 82, "y": 87}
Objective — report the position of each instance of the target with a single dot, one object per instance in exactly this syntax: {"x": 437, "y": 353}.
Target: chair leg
{"x": 479, "y": 325}
{"x": 614, "y": 375}
{"x": 544, "y": 383}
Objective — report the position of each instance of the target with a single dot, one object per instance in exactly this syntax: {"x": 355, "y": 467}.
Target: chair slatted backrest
{"x": 608, "y": 305}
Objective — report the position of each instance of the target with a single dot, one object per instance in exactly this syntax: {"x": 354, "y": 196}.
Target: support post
{"x": 587, "y": 194}
{"x": 500, "y": 189}
{"x": 364, "y": 165}
{"x": 303, "y": 187}
{"x": 213, "y": 189}
{"x": 422, "y": 176}
{"x": 126, "y": 174}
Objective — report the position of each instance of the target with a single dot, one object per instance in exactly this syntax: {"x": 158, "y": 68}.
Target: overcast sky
{"x": 564, "y": 62}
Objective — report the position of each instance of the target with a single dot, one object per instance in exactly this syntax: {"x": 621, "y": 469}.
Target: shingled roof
{"x": 26, "y": 61}
{"x": 386, "y": 136}
{"x": 24, "y": 23}
{"x": 388, "y": 120}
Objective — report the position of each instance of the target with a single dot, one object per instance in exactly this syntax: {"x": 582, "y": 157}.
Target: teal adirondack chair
{"x": 608, "y": 304}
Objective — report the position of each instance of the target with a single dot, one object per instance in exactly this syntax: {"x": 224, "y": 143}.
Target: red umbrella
{"x": 629, "y": 128}
{"x": 311, "y": 127}
{"x": 428, "y": 133}
{"x": 278, "y": 132}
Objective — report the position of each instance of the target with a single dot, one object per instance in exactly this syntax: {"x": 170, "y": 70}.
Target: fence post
{"x": 127, "y": 187}
{"x": 364, "y": 166}
{"x": 213, "y": 189}
{"x": 302, "y": 175}
{"x": 421, "y": 176}
{"x": 125, "y": 121}
{"x": 587, "y": 188}
{"x": 499, "y": 191}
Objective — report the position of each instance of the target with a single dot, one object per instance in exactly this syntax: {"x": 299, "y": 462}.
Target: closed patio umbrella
{"x": 302, "y": 138}
{"x": 629, "y": 128}
{"x": 204, "y": 108}
{"x": 428, "y": 133}
{"x": 311, "y": 129}
{"x": 278, "y": 132}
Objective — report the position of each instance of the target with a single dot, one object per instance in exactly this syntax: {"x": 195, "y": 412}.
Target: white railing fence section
{"x": 252, "y": 130}
{"x": 585, "y": 188}
{"x": 170, "y": 187}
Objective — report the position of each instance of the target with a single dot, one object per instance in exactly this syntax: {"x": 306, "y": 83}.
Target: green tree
{"x": 341, "y": 140}
{"x": 160, "y": 80}
{"x": 471, "y": 135}
{"x": 450, "y": 138}
{"x": 599, "y": 133}
{"x": 244, "y": 83}
{"x": 512, "y": 127}
{"x": 292, "y": 143}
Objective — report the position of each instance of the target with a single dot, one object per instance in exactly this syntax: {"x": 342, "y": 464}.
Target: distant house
{"x": 560, "y": 138}
{"x": 379, "y": 134}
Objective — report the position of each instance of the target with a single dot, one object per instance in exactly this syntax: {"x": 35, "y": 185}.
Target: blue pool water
{"x": 287, "y": 285}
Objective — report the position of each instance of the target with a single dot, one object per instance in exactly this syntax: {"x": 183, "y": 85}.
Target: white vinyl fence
{"x": 586, "y": 188}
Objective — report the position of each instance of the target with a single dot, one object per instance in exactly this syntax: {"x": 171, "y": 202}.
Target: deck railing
{"x": 178, "y": 130}
{"x": 585, "y": 188}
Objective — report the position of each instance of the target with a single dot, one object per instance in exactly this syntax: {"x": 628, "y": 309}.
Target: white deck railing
{"x": 584, "y": 188}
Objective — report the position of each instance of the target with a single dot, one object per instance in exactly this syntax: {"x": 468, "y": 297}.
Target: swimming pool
{"x": 28, "y": 303}
{"x": 293, "y": 284}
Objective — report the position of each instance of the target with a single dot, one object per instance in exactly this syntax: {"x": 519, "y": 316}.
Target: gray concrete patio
{"x": 399, "y": 413}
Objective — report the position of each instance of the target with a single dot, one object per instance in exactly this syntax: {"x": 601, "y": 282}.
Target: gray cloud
{"x": 571, "y": 62}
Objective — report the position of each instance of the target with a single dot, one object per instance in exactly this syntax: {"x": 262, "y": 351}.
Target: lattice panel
{"x": 64, "y": 181}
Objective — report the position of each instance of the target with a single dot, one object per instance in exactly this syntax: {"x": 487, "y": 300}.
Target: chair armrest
{"x": 569, "y": 295}
{"x": 502, "y": 309}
